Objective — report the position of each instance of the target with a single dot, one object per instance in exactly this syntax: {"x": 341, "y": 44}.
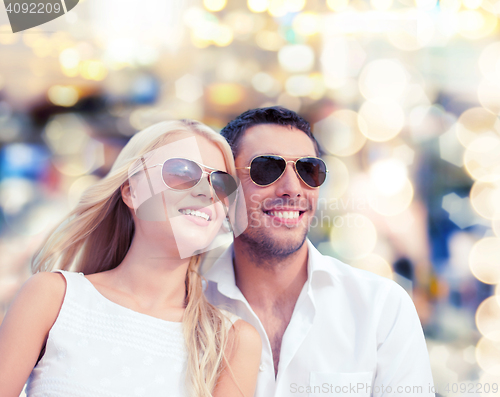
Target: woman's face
{"x": 185, "y": 220}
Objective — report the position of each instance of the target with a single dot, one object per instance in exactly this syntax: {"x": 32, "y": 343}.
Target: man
{"x": 327, "y": 328}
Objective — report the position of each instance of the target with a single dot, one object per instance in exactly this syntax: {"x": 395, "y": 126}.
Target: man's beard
{"x": 268, "y": 252}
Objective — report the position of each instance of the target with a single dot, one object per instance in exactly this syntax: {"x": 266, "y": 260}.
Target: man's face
{"x": 278, "y": 214}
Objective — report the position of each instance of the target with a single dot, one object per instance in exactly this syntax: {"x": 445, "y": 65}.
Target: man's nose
{"x": 289, "y": 184}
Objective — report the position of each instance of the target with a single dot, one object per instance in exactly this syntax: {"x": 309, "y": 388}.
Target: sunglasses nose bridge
{"x": 296, "y": 179}
{"x": 210, "y": 183}
{"x": 202, "y": 185}
{"x": 294, "y": 162}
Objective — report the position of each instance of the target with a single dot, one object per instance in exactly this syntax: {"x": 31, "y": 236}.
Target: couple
{"x": 135, "y": 318}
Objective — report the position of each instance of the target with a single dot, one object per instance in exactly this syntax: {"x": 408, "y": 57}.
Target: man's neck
{"x": 265, "y": 283}
{"x": 271, "y": 289}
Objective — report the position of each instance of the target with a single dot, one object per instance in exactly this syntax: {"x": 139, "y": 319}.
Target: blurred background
{"x": 403, "y": 96}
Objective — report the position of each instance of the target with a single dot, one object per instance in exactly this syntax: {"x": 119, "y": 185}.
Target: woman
{"x": 132, "y": 319}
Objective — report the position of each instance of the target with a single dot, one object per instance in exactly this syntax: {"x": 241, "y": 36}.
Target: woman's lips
{"x": 199, "y": 216}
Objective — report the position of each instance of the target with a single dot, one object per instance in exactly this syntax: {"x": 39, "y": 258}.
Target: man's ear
{"x": 127, "y": 194}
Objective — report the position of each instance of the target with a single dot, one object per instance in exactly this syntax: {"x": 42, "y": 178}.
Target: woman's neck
{"x": 154, "y": 276}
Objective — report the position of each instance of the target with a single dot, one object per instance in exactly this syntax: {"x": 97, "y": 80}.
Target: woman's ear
{"x": 127, "y": 194}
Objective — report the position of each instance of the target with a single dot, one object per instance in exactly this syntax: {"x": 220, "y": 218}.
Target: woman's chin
{"x": 191, "y": 237}
{"x": 187, "y": 249}
{"x": 189, "y": 244}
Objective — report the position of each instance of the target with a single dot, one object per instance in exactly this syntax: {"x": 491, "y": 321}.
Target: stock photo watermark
{"x": 361, "y": 388}
{"x": 25, "y": 14}
{"x": 332, "y": 213}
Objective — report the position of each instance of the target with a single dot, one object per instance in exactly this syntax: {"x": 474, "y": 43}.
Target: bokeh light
{"x": 258, "y": 5}
{"x": 481, "y": 158}
{"x": 337, "y": 5}
{"x": 337, "y": 181}
{"x": 374, "y": 263}
{"x": 214, "y": 5}
{"x": 296, "y": 58}
{"x": 66, "y": 96}
{"x": 475, "y": 122}
{"x": 484, "y": 260}
{"x": 380, "y": 119}
{"x": 488, "y": 318}
{"x": 339, "y": 133}
{"x": 353, "y": 236}
{"x": 488, "y": 356}
{"x": 384, "y": 78}
{"x": 307, "y": 23}
{"x": 485, "y": 198}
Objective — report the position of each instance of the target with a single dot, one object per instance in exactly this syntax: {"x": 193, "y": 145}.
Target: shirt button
{"x": 262, "y": 367}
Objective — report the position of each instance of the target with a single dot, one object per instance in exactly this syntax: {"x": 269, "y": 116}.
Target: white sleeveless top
{"x": 98, "y": 348}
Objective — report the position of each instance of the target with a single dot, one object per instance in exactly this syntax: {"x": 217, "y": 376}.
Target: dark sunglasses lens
{"x": 312, "y": 171}
{"x": 265, "y": 170}
{"x": 181, "y": 174}
{"x": 224, "y": 186}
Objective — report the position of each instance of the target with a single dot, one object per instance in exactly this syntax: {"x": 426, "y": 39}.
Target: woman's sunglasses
{"x": 183, "y": 174}
{"x": 267, "y": 169}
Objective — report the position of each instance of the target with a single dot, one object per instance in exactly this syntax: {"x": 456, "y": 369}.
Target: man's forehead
{"x": 274, "y": 139}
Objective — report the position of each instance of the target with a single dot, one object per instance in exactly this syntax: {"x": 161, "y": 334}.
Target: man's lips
{"x": 285, "y": 215}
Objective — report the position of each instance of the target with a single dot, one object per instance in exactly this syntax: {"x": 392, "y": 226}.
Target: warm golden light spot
{"x": 353, "y": 236}
{"x": 473, "y": 123}
{"x": 214, "y": 5}
{"x": 258, "y": 5}
{"x": 488, "y": 356}
{"x": 485, "y": 199}
{"x": 225, "y": 93}
{"x": 383, "y": 78}
{"x": 393, "y": 204}
{"x": 66, "y": 96}
{"x": 337, "y": 5}
{"x": 481, "y": 158}
{"x": 380, "y": 119}
{"x": 339, "y": 133}
{"x": 488, "y": 318}
{"x": 484, "y": 260}
{"x": 374, "y": 263}
{"x": 337, "y": 181}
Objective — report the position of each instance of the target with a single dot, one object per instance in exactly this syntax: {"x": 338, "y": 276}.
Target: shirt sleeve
{"x": 403, "y": 366}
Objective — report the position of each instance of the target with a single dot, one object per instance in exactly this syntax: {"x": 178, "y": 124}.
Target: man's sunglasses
{"x": 267, "y": 169}
{"x": 184, "y": 174}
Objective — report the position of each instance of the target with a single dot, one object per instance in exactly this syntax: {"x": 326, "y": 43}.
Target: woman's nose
{"x": 203, "y": 189}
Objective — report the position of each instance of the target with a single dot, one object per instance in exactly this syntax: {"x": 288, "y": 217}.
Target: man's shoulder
{"x": 353, "y": 281}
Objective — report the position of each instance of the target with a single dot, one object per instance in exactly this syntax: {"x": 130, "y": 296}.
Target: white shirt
{"x": 351, "y": 333}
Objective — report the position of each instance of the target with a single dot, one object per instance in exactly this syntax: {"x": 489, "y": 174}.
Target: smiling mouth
{"x": 285, "y": 214}
{"x": 195, "y": 213}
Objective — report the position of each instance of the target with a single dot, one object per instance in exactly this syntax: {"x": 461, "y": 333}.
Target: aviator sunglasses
{"x": 184, "y": 174}
{"x": 267, "y": 169}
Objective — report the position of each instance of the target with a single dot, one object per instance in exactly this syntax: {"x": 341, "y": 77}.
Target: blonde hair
{"x": 98, "y": 232}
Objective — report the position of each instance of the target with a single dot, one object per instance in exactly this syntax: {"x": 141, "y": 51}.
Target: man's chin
{"x": 274, "y": 243}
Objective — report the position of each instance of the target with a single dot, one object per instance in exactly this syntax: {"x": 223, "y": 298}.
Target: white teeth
{"x": 195, "y": 213}
{"x": 285, "y": 214}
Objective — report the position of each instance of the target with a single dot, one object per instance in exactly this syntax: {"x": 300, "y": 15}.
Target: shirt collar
{"x": 319, "y": 264}
{"x": 222, "y": 271}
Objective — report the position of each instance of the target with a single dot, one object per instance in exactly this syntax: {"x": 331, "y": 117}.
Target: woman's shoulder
{"x": 47, "y": 284}
{"x": 43, "y": 292}
{"x": 247, "y": 333}
{"x": 241, "y": 331}
{"x": 38, "y": 302}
